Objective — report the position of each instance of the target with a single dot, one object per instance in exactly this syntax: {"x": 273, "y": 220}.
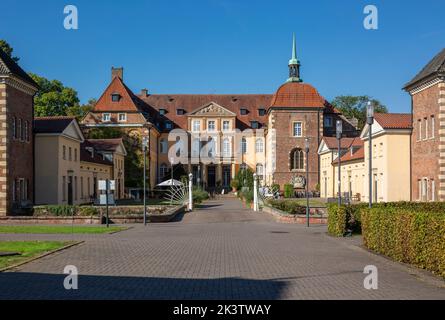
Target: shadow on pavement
{"x": 20, "y": 285}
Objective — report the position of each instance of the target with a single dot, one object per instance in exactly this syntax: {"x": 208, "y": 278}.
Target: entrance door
{"x": 211, "y": 176}
{"x": 70, "y": 190}
{"x": 226, "y": 176}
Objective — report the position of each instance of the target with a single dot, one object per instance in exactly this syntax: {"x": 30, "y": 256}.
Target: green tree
{"x": 355, "y": 107}
{"x": 53, "y": 98}
{"x": 8, "y": 50}
{"x": 79, "y": 111}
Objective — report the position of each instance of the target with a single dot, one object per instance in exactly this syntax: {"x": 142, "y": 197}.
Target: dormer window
{"x": 261, "y": 112}
{"x": 115, "y": 97}
{"x": 180, "y": 112}
{"x": 254, "y": 124}
{"x": 106, "y": 117}
{"x": 168, "y": 125}
{"x": 243, "y": 111}
{"x": 162, "y": 112}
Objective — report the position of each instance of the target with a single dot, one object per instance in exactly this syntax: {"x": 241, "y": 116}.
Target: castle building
{"x": 427, "y": 91}
{"x": 213, "y": 136}
{"x": 17, "y": 91}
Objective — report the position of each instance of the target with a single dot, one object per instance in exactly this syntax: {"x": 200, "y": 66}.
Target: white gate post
{"x": 190, "y": 192}
{"x": 255, "y": 193}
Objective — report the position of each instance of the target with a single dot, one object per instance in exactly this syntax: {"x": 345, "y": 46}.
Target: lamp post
{"x": 339, "y": 131}
{"x": 255, "y": 192}
{"x": 370, "y": 121}
{"x": 144, "y": 150}
{"x": 306, "y": 149}
{"x": 171, "y": 180}
{"x": 190, "y": 191}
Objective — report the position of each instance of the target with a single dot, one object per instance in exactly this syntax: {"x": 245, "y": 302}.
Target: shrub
{"x": 288, "y": 191}
{"x": 407, "y": 234}
{"x": 199, "y": 195}
{"x": 87, "y": 211}
{"x": 235, "y": 184}
{"x": 248, "y": 196}
{"x": 55, "y": 210}
{"x": 289, "y": 206}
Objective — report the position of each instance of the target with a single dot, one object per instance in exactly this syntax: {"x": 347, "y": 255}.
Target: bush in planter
{"x": 55, "y": 210}
{"x": 235, "y": 184}
{"x": 288, "y": 206}
{"x": 87, "y": 211}
{"x": 288, "y": 190}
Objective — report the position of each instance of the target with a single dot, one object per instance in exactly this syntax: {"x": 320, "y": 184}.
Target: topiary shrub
{"x": 288, "y": 191}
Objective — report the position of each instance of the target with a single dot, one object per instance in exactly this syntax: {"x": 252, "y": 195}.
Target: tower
{"x": 294, "y": 64}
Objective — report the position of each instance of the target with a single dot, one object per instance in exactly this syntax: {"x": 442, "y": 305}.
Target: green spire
{"x": 294, "y": 59}
{"x": 294, "y": 64}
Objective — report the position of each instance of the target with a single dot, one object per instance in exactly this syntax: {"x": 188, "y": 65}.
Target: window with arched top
{"x": 163, "y": 146}
{"x": 259, "y": 145}
{"x": 297, "y": 159}
{"x": 243, "y": 145}
{"x": 226, "y": 147}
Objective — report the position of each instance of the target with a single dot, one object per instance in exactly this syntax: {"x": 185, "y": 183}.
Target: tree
{"x": 8, "y": 50}
{"x": 53, "y": 98}
{"x": 79, "y": 111}
{"x": 355, "y": 107}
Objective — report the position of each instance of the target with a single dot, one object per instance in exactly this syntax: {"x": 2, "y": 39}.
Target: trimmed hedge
{"x": 289, "y": 206}
{"x": 407, "y": 234}
{"x": 65, "y": 210}
{"x": 348, "y": 218}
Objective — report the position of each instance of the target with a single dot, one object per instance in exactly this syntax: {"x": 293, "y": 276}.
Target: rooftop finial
{"x": 294, "y": 64}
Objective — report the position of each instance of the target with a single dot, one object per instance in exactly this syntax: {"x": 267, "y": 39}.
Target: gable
{"x": 73, "y": 131}
{"x": 212, "y": 109}
{"x": 125, "y": 103}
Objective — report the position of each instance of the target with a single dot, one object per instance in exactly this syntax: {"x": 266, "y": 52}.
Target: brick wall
{"x": 16, "y": 157}
{"x": 282, "y": 122}
{"x": 425, "y": 152}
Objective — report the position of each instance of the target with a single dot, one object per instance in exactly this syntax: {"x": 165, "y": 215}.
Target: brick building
{"x": 427, "y": 90}
{"x": 17, "y": 90}
{"x": 225, "y": 132}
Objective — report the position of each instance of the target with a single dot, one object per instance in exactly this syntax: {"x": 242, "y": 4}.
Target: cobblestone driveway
{"x": 220, "y": 251}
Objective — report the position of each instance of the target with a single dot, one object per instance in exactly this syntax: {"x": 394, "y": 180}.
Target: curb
{"x": 41, "y": 256}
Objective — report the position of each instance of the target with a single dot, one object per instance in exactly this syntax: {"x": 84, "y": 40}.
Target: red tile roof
{"x": 86, "y": 155}
{"x": 394, "y": 120}
{"x": 357, "y": 154}
{"x": 104, "y": 144}
{"x": 297, "y": 94}
{"x": 127, "y": 102}
{"x": 332, "y": 142}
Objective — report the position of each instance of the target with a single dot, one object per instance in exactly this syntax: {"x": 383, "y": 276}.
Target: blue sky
{"x": 229, "y": 46}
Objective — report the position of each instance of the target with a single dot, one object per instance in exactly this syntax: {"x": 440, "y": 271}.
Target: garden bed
{"x": 316, "y": 215}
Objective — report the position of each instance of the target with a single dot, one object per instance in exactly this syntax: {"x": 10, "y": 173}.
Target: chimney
{"x": 117, "y": 72}
{"x": 144, "y": 92}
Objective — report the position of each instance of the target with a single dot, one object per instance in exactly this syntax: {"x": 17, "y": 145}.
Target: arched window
{"x": 163, "y": 146}
{"x": 226, "y": 147}
{"x": 211, "y": 147}
{"x": 243, "y": 145}
{"x": 163, "y": 169}
{"x": 297, "y": 159}
{"x": 259, "y": 145}
{"x": 260, "y": 170}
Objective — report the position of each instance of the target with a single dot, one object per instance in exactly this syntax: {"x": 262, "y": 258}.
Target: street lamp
{"x": 144, "y": 150}
{"x": 370, "y": 121}
{"x": 171, "y": 180}
{"x": 306, "y": 149}
{"x": 339, "y": 132}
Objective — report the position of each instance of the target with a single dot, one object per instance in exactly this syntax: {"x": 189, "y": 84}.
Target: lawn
{"x": 28, "y": 250}
{"x": 60, "y": 229}
{"x": 313, "y": 203}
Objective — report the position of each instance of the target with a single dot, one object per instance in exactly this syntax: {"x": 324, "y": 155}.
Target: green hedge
{"x": 199, "y": 195}
{"x": 289, "y": 206}
{"x": 407, "y": 234}
{"x": 349, "y": 217}
{"x": 288, "y": 191}
{"x": 64, "y": 210}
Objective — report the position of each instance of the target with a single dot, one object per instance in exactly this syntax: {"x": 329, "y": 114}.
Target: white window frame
{"x": 419, "y": 127}
{"x": 433, "y": 126}
{"x": 259, "y": 145}
{"x": 426, "y": 128}
{"x": 228, "y": 125}
{"x": 243, "y": 145}
{"x": 294, "y": 133}
{"x": 124, "y": 119}
{"x": 227, "y": 148}
{"x": 433, "y": 190}
{"x": 213, "y": 122}
{"x": 106, "y": 117}
{"x": 196, "y": 125}
{"x": 163, "y": 146}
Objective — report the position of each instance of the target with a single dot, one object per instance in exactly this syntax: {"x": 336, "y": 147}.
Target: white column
{"x": 255, "y": 192}
{"x": 190, "y": 192}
